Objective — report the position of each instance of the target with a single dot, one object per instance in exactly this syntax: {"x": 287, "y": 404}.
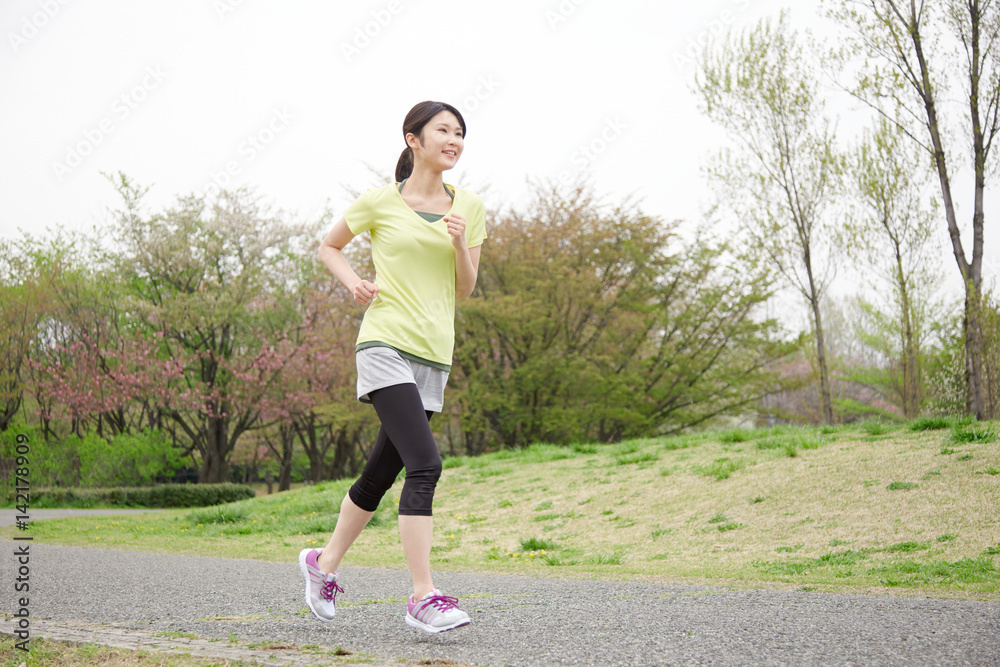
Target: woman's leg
{"x": 350, "y": 522}
{"x": 404, "y": 419}
{"x": 416, "y": 532}
{"x": 362, "y": 500}
{"x": 380, "y": 472}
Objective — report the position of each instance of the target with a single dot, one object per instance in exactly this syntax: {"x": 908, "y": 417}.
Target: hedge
{"x": 163, "y": 495}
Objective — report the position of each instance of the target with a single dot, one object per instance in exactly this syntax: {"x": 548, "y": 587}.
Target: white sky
{"x": 171, "y": 92}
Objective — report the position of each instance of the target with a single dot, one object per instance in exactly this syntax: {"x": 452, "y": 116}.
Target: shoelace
{"x": 330, "y": 590}
{"x": 442, "y": 602}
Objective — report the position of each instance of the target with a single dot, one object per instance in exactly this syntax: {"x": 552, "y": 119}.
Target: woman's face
{"x": 441, "y": 142}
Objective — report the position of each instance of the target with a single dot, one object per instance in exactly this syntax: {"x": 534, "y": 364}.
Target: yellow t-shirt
{"x": 414, "y": 270}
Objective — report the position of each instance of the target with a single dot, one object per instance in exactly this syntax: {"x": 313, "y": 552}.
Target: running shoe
{"x": 321, "y": 588}
{"x": 435, "y": 613}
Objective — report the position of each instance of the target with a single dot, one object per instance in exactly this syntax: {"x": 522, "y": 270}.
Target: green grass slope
{"x": 870, "y": 508}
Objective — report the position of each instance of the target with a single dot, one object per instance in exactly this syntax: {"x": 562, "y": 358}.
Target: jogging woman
{"x": 425, "y": 237}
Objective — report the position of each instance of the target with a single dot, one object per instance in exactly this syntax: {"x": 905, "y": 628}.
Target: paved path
{"x": 135, "y": 597}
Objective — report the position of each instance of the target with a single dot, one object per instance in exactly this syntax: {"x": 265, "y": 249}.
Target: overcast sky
{"x": 299, "y": 97}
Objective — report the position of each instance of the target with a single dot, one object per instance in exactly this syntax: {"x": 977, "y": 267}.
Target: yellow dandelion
{"x": 532, "y": 554}
{"x": 543, "y": 552}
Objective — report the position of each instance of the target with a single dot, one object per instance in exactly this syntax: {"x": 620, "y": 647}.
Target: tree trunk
{"x": 911, "y": 388}
{"x": 316, "y": 446}
{"x": 973, "y": 354}
{"x": 287, "y": 435}
{"x": 343, "y": 454}
{"x": 215, "y": 467}
{"x": 10, "y": 408}
{"x": 824, "y": 374}
{"x": 211, "y": 468}
{"x": 285, "y": 475}
{"x": 971, "y": 274}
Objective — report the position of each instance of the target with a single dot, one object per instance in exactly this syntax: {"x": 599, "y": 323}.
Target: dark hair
{"x": 414, "y": 123}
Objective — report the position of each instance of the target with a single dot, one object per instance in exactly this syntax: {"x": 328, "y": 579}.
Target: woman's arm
{"x": 332, "y": 257}
{"x": 466, "y": 270}
{"x": 466, "y": 258}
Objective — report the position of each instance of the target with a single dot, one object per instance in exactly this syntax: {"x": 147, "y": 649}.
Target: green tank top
{"x": 429, "y": 217}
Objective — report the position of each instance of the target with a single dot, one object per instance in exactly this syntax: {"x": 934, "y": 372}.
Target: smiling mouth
{"x": 451, "y": 153}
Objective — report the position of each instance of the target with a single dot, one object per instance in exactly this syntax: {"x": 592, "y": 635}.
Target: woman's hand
{"x": 364, "y": 292}
{"x": 456, "y": 227}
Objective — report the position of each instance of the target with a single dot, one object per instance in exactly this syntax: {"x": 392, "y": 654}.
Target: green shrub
{"x": 637, "y": 457}
{"x": 875, "y": 427}
{"x": 219, "y": 514}
{"x": 770, "y": 443}
{"x": 736, "y": 435}
{"x": 163, "y": 495}
{"x": 931, "y": 423}
{"x": 901, "y": 486}
{"x": 535, "y": 544}
{"x": 133, "y": 459}
{"x": 544, "y": 453}
{"x": 452, "y": 462}
{"x": 721, "y": 468}
{"x": 974, "y": 433}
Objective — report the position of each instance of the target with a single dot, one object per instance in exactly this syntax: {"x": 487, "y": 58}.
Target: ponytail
{"x": 405, "y": 165}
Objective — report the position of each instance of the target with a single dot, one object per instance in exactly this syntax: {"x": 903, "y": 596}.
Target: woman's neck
{"x": 424, "y": 182}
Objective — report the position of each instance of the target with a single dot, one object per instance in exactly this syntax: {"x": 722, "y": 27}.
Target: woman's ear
{"x": 413, "y": 141}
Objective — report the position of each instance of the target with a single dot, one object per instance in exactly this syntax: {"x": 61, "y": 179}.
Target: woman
{"x": 426, "y": 238}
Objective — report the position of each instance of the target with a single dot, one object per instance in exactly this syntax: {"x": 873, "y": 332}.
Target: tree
{"x": 218, "y": 280}
{"x": 785, "y": 174}
{"x": 28, "y": 279}
{"x": 332, "y": 418}
{"x": 110, "y": 382}
{"x": 893, "y": 232}
{"x": 917, "y": 56}
{"x": 594, "y": 321}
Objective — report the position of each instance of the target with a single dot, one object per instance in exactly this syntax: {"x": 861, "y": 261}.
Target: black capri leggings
{"x": 404, "y": 441}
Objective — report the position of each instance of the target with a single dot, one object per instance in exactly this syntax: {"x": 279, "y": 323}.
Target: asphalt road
{"x": 516, "y": 620}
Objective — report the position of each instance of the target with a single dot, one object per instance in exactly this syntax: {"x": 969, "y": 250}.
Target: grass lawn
{"x": 870, "y": 508}
{"x": 46, "y": 652}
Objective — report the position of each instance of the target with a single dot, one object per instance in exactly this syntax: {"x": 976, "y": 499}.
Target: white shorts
{"x": 380, "y": 367}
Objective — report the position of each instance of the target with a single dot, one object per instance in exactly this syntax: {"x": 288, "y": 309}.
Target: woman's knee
{"x": 367, "y": 493}
{"x": 417, "y": 496}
